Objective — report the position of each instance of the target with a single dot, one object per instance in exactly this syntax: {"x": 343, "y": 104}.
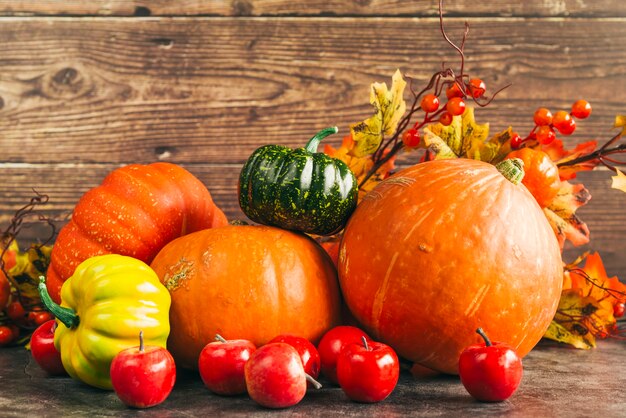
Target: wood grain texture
{"x": 586, "y": 8}
{"x": 206, "y": 90}
{"x": 65, "y": 183}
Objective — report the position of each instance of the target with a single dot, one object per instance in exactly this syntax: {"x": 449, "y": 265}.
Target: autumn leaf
{"x": 594, "y": 282}
{"x": 389, "y": 106}
{"x": 29, "y": 265}
{"x": 360, "y": 166}
{"x": 560, "y": 155}
{"x": 561, "y": 214}
{"x": 463, "y": 138}
{"x": 619, "y": 180}
{"x": 571, "y": 322}
{"x": 587, "y": 304}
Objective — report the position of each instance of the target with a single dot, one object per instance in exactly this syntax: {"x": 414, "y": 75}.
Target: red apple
{"x": 331, "y": 345}
{"x": 368, "y": 372}
{"x": 43, "y": 350}
{"x": 491, "y": 372}
{"x": 307, "y": 351}
{"x": 275, "y": 376}
{"x": 221, "y": 365}
{"x": 143, "y": 376}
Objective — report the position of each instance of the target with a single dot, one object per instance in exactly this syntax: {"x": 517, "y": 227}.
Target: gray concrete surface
{"x": 558, "y": 381}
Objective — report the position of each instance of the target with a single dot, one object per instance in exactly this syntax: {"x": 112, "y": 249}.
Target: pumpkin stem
{"x": 313, "y": 143}
{"x": 480, "y": 332}
{"x": 512, "y": 170}
{"x": 66, "y": 315}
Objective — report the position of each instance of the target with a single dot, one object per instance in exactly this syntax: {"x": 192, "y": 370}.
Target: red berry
{"x": 542, "y": 117}
{"x": 545, "y": 135}
{"x": 455, "y": 106}
{"x": 561, "y": 120}
{"x": 516, "y": 140}
{"x": 618, "y": 310}
{"x": 581, "y": 109}
{"x": 445, "y": 119}
{"x": 477, "y": 87}
{"x": 568, "y": 128}
{"x": 430, "y": 103}
{"x": 411, "y": 138}
{"x": 454, "y": 91}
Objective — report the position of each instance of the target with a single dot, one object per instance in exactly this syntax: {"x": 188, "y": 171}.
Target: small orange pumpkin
{"x": 445, "y": 247}
{"x": 252, "y": 282}
{"x": 135, "y": 211}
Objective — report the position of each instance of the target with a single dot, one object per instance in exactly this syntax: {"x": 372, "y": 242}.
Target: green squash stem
{"x": 314, "y": 142}
{"x": 512, "y": 170}
{"x": 66, "y": 315}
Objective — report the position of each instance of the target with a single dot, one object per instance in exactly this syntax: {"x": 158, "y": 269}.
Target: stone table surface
{"x": 558, "y": 381}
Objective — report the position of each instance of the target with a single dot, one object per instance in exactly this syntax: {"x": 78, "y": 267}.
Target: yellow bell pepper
{"x": 104, "y": 305}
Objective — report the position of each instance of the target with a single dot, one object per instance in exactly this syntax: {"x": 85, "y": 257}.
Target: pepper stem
{"x": 66, "y": 315}
{"x": 480, "y": 332}
{"x": 367, "y": 347}
{"x": 512, "y": 170}
{"x": 313, "y": 143}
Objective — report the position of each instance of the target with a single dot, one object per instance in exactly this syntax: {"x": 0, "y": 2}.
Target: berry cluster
{"x": 456, "y": 94}
{"x": 547, "y": 124}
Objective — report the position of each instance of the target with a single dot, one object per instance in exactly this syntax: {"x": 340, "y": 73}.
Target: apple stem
{"x": 367, "y": 347}
{"x": 480, "y": 332}
{"x": 141, "y": 348}
{"x": 220, "y": 338}
{"x": 311, "y": 380}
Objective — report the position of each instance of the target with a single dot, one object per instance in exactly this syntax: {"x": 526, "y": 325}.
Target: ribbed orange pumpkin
{"x": 135, "y": 211}
{"x": 252, "y": 282}
{"x": 445, "y": 247}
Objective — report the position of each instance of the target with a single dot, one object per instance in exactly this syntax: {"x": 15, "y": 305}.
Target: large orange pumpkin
{"x": 252, "y": 282}
{"x": 135, "y": 211}
{"x": 445, "y": 247}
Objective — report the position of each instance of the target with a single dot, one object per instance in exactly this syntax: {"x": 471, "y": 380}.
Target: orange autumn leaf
{"x": 594, "y": 282}
{"x": 360, "y": 166}
{"x": 561, "y": 214}
{"x": 560, "y": 155}
{"x": 587, "y": 304}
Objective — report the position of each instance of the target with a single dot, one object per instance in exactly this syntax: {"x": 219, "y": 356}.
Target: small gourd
{"x": 298, "y": 189}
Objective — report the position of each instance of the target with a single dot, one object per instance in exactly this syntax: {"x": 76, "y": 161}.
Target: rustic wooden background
{"x": 88, "y": 86}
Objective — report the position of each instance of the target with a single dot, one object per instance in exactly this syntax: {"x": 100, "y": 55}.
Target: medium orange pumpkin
{"x": 445, "y": 247}
{"x": 252, "y": 282}
{"x": 135, "y": 211}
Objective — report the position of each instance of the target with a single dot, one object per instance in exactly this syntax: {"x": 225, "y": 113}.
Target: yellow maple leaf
{"x": 463, "y": 138}
{"x": 28, "y": 267}
{"x": 619, "y": 181}
{"x": 558, "y": 332}
{"x": 389, "y": 106}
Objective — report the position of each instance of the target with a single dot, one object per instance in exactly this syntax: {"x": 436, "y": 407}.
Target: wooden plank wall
{"x": 88, "y": 86}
